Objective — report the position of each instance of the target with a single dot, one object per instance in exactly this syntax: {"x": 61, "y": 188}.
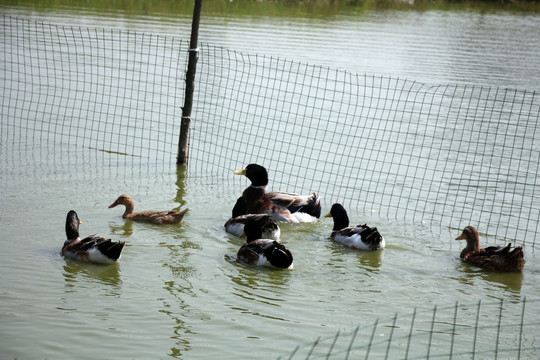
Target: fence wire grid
{"x": 450, "y": 155}
{"x": 486, "y": 330}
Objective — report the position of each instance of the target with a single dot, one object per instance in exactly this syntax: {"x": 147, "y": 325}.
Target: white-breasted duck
{"x": 281, "y": 206}
{"x": 93, "y": 248}
{"x": 235, "y": 225}
{"x": 360, "y": 237}
{"x": 259, "y": 251}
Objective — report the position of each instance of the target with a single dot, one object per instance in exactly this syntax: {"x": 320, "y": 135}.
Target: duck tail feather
{"x": 313, "y": 206}
{"x": 111, "y": 249}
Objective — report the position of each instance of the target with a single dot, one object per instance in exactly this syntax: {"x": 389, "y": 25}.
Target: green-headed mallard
{"x": 93, "y": 248}
{"x": 281, "y": 206}
{"x": 235, "y": 225}
{"x": 360, "y": 237}
{"x": 259, "y": 251}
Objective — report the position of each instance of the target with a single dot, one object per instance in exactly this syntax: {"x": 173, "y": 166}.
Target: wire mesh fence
{"x": 111, "y": 90}
{"x": 451, "y": 155}
{"x": 485, "y": 330}
{"x": 446, "y": 154}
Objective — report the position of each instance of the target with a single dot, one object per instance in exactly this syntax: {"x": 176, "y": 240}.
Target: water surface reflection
{"x": 78, "y": 274}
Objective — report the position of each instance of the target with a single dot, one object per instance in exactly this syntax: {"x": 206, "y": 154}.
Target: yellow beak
{"x": 240, "y": 172}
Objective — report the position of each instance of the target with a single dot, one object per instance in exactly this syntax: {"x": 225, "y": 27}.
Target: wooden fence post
{"x": 183, "y": 141}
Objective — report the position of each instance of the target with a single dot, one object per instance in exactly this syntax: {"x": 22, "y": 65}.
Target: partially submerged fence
{"x": 446, "y": 154}
{"x": 486, "y": 330}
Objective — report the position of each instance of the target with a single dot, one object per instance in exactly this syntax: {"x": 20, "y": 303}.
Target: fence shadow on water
{"x": 449, "y": 155}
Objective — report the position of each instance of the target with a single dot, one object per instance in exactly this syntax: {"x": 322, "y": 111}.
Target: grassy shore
{"x": 289, "y": 8}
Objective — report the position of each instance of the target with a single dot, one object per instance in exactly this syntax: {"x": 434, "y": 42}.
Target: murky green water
{"x": 178, "y": 291}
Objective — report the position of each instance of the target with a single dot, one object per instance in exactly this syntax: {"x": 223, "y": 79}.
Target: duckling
{"x": 235, "y": 225}
{"x": 150, "y": 216}
{"x": 281, "y": 206}
{"x": 360, "y": 237}
{"x": 92, "y": 248}
{"x": 493, "y": 257}
{"x": 259, "y": 251}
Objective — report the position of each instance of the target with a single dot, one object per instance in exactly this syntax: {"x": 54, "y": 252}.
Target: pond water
{"x": 178, "y": 291}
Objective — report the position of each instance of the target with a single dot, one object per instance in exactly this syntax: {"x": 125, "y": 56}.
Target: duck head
{"x": 122, "y": 200}
{"x": 257, "y": 174}
{"x": 470, "y": 234}
{"x": 127, "y": 202}
{"x": 72, "y": 225}
{"x": 339, "y": 214}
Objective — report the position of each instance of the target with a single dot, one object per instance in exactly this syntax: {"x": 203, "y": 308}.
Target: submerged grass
{"x": 288, "y": 8}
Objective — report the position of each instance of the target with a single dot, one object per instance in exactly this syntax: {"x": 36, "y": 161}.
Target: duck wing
{"x": 236, "y": 225}
{"x": 94, "y": 249}
{"x": 159, "y": 217}
{"x": 360, "y": 237}
{"x": 309, "y": 204}
{"x": 270, "y": 229}
{"x": 251, "y": 253}
{"x": 490, "y": 250}
{"x": 497, "y": 258}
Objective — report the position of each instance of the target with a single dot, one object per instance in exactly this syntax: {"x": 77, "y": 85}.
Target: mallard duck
{"x": 235, "y": 225}
{"x": 93, "y": 248}
{"x": 150, "y": 216}
{"x": 281, "y": 206}
{"x": 360, "y": 237}
{"x": 259, "y": 251}
{"x": 493, "y": 257}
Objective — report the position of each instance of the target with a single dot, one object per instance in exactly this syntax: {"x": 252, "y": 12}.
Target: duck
{"x": 93, "y": 248}
{"x": 361, "y": 237}
{"x": 149, "y": 216}
{"x": 235, "y": 225}
{"x": 281, "y": 206}
{"x": 497, "y": 258}
{"x": 263, "y": 252}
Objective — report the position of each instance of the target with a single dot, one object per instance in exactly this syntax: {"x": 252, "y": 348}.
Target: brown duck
{"x": 493, "y": 257}
{"x": 150, "y": 216}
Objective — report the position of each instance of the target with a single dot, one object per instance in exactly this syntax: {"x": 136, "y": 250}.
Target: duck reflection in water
{"x": 76, "y": 273}
{"x": 490, "y": 281}
{"x": 126, "y": 229}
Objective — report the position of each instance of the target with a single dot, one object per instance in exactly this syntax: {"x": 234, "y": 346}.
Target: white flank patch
{"x": 95, "y": 256}
{"x": 354, "y": 242}
{"x": 304, "y": 217}
{"x": 235, "y": 229}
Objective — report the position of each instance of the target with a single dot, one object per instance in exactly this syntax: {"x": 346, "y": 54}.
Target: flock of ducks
{"x": 255, "y": 216}
{"x": 99, "y": 250}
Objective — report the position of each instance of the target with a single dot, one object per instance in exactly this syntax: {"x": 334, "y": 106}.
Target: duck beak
{"x": 113, "y": 204}
{"x": 328, "y": 215}
{"x": 80, "y": 222}
{"x": 461, "y": 237}
{"x": 243, "y": 235}
{"x": 240, "y": 172}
